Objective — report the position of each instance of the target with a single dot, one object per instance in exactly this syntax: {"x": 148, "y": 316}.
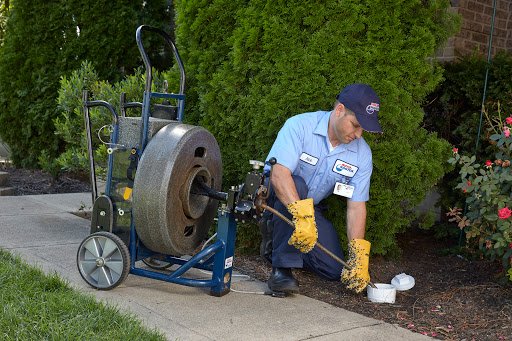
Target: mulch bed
{"x": 453, "y": 298}
{"x": 29, "y": 181}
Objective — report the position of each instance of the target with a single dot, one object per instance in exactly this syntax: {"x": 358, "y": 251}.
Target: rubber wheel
{"x": 103, "y": 260}
{"x": 155, "y": 263}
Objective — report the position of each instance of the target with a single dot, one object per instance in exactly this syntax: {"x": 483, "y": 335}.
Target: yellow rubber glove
{"x": 358, "y": 277}
{"x": 305, "y": 235}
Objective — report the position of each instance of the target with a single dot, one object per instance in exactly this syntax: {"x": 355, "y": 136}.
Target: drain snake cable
{"x": 245, "y": 277}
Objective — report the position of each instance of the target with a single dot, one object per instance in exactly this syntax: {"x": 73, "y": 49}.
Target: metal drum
{"x": 169, "y": 218}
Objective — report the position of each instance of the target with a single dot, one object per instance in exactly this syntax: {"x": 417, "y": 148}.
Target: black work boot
{"x": 267, "y": 230}
{"x": 282, "y": 280}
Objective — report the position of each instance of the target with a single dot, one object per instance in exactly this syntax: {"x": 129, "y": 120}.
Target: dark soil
{"x": 453, "y": 298}
{"x": 28, "y": 182}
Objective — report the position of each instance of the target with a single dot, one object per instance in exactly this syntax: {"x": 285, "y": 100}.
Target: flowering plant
{"x": 488, "y": 223}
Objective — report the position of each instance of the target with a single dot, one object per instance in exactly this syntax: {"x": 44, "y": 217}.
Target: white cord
{"x": 248, "y": 292}
{"x": 110, "y": 131}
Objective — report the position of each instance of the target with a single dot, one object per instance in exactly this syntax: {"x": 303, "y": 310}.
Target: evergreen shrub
{"x": 255, "y": 63}
{"x": 453, "y": 108}
{"x": 45, "y": 40}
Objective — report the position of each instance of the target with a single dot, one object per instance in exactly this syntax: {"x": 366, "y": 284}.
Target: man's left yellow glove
{"x": 305, "y": 235}
{"x": 358, "y": 277}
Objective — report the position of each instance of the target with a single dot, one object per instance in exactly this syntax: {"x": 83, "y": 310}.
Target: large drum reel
{"x": 169, "y": 218}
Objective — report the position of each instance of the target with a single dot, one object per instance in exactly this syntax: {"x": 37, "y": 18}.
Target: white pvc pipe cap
{"x": 402, "y": 282}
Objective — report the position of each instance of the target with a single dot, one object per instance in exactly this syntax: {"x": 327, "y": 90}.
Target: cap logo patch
{"x": 372, "y": 108}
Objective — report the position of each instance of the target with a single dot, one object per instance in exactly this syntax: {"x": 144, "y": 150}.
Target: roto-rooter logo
{"x": 344, "y": 168}
{"x": 340, "y": 167}
{"x": 372, "y": 108}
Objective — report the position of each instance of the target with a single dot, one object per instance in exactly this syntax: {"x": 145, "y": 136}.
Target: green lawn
{"x": 36, "y": 306}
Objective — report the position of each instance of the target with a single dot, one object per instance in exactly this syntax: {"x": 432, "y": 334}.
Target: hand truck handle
{"x": 149, "y": 76}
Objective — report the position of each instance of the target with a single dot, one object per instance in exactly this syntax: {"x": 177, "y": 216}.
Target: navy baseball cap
{"x": 365, "y": 103}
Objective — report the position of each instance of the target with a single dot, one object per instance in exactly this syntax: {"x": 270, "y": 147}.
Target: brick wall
{"x": 476, "y": 28}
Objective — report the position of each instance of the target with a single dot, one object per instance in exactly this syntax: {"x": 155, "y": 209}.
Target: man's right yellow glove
{"x": 358, "y": 277}
{"x": 305, "y": 235}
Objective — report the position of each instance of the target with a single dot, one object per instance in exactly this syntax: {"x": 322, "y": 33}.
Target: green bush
{"x": 4, "y": 9}
{"x": 45, "y": 40}
{"x": 70, "y": 127}
{"x": 254, "y": 63}
{"x": 453, "y": 110}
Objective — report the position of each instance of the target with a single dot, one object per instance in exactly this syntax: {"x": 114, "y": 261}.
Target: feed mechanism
{"x": 162, "y": 194}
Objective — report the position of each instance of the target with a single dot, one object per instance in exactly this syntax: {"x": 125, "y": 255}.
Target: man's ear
{"x": 340, "y": 110}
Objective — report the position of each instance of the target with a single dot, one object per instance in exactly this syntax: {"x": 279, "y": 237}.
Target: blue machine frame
{"x": 217, "y": 257}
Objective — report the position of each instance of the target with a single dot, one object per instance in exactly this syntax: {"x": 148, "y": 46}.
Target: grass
{"x": 37, "y": 306}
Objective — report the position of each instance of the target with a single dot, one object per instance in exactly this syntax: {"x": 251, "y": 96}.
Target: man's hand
{"x": 305, "y": 235}
{"x": 358, "y": 277}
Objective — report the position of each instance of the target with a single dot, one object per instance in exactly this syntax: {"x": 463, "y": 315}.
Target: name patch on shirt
{"x": 344, "y": 168}
{"x": 309, "y": 159}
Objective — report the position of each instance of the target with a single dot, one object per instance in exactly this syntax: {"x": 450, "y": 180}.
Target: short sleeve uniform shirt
{"x": 303, "y": 147}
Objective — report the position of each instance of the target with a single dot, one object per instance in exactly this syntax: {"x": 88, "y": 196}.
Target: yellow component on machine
{"x": 127, "y": 193}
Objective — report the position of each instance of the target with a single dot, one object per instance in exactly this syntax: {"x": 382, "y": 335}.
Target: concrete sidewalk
{"x": 42, "y": 230}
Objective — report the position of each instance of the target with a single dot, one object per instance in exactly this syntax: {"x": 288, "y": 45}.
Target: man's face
{"x": 346, "y": 127}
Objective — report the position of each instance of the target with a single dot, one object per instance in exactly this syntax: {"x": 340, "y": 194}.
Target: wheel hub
{"x": 100, "y": 262}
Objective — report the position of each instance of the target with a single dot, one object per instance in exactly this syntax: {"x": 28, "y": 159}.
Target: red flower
{"x": 455, "y": 150}
{"x": 509, "y": 120}
{"x": 504, "y": 213}
{"x": 488, "y": 163}
{"x": 469, "y": 184}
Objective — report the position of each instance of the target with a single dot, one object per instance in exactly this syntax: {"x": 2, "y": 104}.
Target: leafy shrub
{"x": 70, "y": 124}
{"x": 453, "y": 110}
{"x": 487, "y": 187}
{"x": 253, "y": 64}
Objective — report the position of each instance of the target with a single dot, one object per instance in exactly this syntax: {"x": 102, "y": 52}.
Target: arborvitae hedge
{"x": 45, "y": 40}
{"x": 252, "y": 64}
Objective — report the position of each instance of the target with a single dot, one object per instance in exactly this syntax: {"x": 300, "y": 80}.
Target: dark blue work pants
{"x": 287, "y": 256}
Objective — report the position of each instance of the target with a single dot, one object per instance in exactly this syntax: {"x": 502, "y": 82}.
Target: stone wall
{"x": 476, "y": 28}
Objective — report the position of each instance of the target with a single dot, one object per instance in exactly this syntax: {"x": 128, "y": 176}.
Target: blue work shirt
{"x": 303, "y": 147}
